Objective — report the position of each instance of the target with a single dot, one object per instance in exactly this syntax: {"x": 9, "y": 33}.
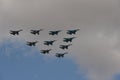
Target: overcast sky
{"x": 96, "y": 50}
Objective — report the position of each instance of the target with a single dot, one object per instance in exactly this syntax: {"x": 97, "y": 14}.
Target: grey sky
{"x": 96, "y": 49}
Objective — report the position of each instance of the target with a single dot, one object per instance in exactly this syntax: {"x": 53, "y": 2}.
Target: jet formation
{"x": 49, "y": 43}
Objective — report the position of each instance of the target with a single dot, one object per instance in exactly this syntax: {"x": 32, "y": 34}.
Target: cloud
{"x": 96, "y": 49}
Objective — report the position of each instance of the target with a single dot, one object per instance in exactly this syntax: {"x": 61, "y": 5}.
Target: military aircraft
{"x": 70, "y": 32}
{"x": 32, "y": 43}
{"x": 54, "y": 32}
{"x": 15, "y": 32}
{"x": 64, "y": 46}
{"x": 49, "y": 42}
{"x": 68, "y": 39}
{"x": 59, "y": 55}
{"x": 46, "y": 51}
{"x": 36, "y": 31}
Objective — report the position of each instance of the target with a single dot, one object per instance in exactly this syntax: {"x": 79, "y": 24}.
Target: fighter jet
{"x": 70, "y": 32}
{"x": 32, "y": 43}
{"x": 46, "y": 51}
{"x": 68, "y": 39}
{"x": 15, "y": 32}
{"x": 54, "y": 32}
{"x": 36, "y": 31}
{"x": 60, "y": 55}
{"x": 64, "y": 46}
{"x": 49, "y": 42}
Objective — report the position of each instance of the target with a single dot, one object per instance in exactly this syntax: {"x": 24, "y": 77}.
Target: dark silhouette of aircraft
{"x": 32, "y": 43}
{"x": 54, "y": 32}
{"x": 64, "y": 46}
{"x": 46, "y": 51}
{"x": 68, "y": 39}
{"x": 36, "y": 31}
{"x": 49, "y": 42}
{"x": 60, "y": 55}
{"x": 70, "y": 32}
{"x": 15, "y": 32}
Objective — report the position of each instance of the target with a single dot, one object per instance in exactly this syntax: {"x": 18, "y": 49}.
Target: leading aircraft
{"x": 49, "y": 42}
{"x": 68, "y": 39}
{"x": 15, "y": 32}
{"x": 61, "y": 55}
{"x": 32, "y": 43}
{"x": 64, "y": 46}
{"x": 54, "y": 32}
{"x": 70, "y": 32}
{"x": 46, "y": 51}
{"x": 36, "y": 31}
